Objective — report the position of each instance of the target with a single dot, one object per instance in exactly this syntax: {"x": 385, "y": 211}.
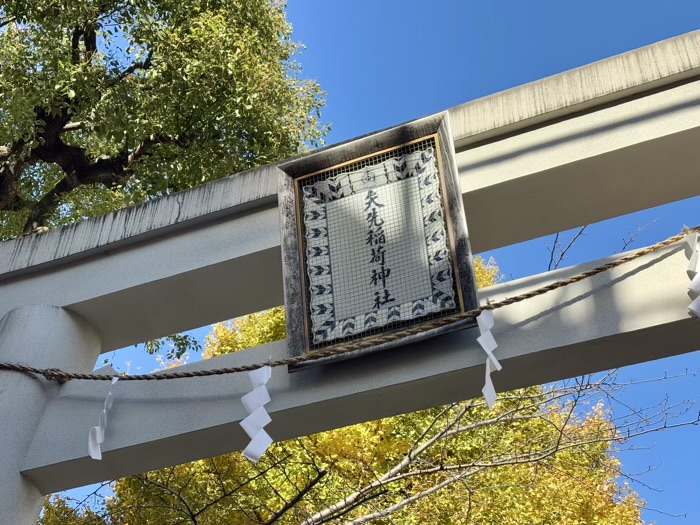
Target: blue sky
{"x": 386, "y": 62}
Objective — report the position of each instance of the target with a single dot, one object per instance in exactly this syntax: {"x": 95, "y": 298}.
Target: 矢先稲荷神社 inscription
{"x": 372, "y": 264}
{"x": 377, "y": 247}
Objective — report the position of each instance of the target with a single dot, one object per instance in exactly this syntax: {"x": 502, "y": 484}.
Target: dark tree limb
{"x": 7, "y": 21}
{"x": 109, "y": 172}
{"x": 90, "y": 39}
{"x": 185, "y": 507}
{"x": 47, "y": 146}
{"x": 81, "y": 171}
{"x": 296, "y": 499}
{"x": 15, "y": 158}
{"x": 89, "y": 36}
{"x": 13, "y": 161}
{"x": 133, "y": 68}
{"x": 75, "y": 45}
{"x": 146, "y": 147}
{"x": 21, "y": 204}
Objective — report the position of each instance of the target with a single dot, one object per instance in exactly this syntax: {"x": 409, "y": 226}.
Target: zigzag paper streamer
{"x": 488, "y": 343}
{"x": 691, "y": 251}
{"x": 96, "y": 436}
{"x": 693, "y": 272}
{"x": 258, "y": 417}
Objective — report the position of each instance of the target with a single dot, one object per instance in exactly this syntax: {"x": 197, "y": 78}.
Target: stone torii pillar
{"x": 46, "y": 337}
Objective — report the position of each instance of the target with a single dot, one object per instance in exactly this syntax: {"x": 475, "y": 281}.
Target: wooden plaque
{"x": 374, "y": 239}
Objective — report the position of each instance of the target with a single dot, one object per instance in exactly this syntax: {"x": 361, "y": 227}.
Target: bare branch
{"x": 556, "y": 244}
{"x": 407, "y": 501}
{"x": 396, "y": 473}
{"x": 83, "y": 502}
{"x": 183, "y": 502}
{"x": 524, "y": 458}
{"x": 554, "y": 264}
{"x": 296, "y": 499}
{"x": 558, "y": 441}
{"x": 632, "y": 236}
{"x": 352, "y": 507}
{"x": 225, "y": 494}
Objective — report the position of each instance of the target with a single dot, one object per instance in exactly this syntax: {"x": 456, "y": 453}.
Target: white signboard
{"x": 377, "y": 247}
{"x": 374, "y": 241}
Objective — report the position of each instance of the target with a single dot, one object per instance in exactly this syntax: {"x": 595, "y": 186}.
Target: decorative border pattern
{"x": 420, "y": 164}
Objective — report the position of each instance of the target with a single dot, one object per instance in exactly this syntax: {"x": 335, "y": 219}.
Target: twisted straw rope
{"x": 61, "y": 376}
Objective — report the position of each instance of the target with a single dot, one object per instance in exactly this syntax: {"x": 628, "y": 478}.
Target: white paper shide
{"x": 96, "y": 436}
{"x": 693, "y": 272}
{"x": 254, "y": 403}
{"x": 488, "y": 343}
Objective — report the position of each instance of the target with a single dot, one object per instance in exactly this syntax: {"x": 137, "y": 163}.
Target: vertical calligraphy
{"x": 376, "y": 240}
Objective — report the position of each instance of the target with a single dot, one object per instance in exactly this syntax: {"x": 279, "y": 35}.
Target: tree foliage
{"x": 108, "y": 103}
{"x": 541, "y": 456}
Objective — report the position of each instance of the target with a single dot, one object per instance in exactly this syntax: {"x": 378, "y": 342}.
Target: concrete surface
{"x": 45, "y": 337}
{"x": 632, "y": 314}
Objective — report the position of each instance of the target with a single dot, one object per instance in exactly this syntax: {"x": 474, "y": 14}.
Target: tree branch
{"x": 398, "y": 473}
{"x": 7, "y": 21}
{"x": 14, "y": 159}
{"x": 352, "y": 507}
{"x": 89, "y": 35}
{"x": 81, "y": 171}
{"x": 534, "y": 456}
{"x": 145, "y": 148}
{"x": 183, "y": 502}
{"x": 633, "y": 236}
{"x": 405, "y": 462}
{"x": 296, "y": 499}
{"x": 90, "y": 39}
{"x": 409, "y": 500}
{"x": 18, "y": 156}
{"x": 554, "y": 264}
{"x": 226, "y": 494}
{"x": 75, "y": 46}
{"x": 134, "y": 67}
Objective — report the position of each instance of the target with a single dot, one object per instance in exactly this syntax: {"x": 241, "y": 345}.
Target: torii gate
{"x": 539, "y": 155}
